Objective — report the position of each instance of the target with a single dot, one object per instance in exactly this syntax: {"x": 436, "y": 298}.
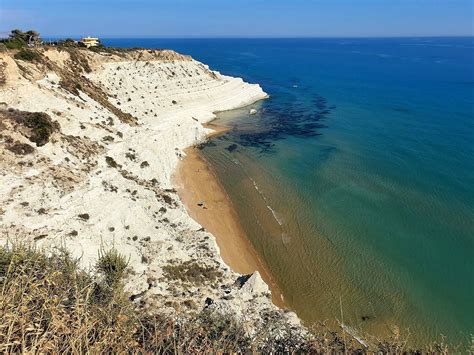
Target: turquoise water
{"x": 355, "y": 180}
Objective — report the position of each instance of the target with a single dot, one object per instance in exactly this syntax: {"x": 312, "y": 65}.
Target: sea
{"x": 354, "y": 181}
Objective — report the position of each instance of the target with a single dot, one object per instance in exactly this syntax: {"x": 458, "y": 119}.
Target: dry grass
{"x": 193, "y": 272}
{"x": 49, "y": 305}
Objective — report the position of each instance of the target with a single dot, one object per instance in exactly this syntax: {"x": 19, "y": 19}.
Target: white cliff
{"x": 103, "y": 179}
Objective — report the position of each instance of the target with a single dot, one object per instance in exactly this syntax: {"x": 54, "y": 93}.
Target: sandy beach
{"x": 207, "y": 202}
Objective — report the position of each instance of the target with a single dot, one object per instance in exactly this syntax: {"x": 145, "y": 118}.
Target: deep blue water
{"x": 365, "y": 154}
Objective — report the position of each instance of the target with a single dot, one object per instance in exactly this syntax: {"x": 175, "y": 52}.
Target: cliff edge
{"x": 88, "y": 145}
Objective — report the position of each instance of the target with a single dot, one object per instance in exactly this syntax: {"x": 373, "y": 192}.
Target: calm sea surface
{"x": 355, "y": 180}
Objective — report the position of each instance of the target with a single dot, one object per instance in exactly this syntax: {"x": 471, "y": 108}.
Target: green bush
{"x": 112, "y": 266}
{"x": 42, "y": 127}
{"x": 15, "y": 43}
{"x": 111, "y": 162}
{"x": 68, "y": 42}
{"x": 99, "y": 48}
{"x": 28, "y": 55}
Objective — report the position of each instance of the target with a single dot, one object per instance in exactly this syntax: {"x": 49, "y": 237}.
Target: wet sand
{"x": 198, "y": 184}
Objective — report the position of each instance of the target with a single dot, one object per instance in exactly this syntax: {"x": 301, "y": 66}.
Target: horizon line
{"x": 258, "y": 37}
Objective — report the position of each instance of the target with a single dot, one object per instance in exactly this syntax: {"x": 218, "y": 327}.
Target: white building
{"x": 90, "y": 41}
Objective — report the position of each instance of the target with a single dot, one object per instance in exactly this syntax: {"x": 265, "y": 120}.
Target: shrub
{"x": 192, "y": 271}
{"x": 130, "y": 156}
{"x": 84, "y": 216}
{"x": 5, "y": 260}
{"x": 68, "y": 42}
{"x": 111, "y": 162}
{"x": 46, "y": 305}
{"x": 42, "y": 127}
{"x": 167, "y": 199}
{"x": 21, "y": 148}
{"x": 28, "y": 55}
{"x": 15, "y": 43}
{"x": 99, "y": 48}
{"x": 112, "y": 266}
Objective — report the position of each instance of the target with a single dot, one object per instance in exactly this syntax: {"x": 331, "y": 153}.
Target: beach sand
{"x": 198, "y": 184}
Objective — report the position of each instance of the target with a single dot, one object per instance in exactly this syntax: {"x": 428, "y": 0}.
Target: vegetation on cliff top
{"x": 19, "y": 39}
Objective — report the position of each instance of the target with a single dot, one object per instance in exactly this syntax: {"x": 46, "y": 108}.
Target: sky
{"x": 240, "y": 18}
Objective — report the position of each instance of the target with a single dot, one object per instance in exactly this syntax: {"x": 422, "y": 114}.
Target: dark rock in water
{"x": 207, "y": 143}
{"x": 232, "y": 147}
{"x": 365, "y": 318}
{"x": 293, "y": 118}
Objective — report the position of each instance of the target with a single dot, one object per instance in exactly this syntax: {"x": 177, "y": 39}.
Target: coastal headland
{"x": 90, "y": 141}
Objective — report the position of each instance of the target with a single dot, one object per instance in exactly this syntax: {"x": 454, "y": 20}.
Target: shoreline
{"x": 196, "y": 183}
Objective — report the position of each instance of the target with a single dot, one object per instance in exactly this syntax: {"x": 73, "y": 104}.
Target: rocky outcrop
{"x": 118, "y": 123}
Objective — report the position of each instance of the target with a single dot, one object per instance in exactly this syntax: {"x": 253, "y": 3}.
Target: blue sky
{"x": 240, "y": 18}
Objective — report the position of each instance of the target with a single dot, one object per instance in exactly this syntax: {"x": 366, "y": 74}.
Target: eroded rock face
{"x": 99, "y": 179}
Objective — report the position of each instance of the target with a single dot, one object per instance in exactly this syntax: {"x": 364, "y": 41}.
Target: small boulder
{"x": 255, "y": 285}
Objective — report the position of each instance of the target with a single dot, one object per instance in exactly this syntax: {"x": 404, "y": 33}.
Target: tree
{"x": 18, "y": 35}
{"x": 18, "y": 38}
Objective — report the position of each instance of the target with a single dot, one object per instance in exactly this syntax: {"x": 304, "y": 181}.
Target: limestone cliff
{"x": 88, "y": 144}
